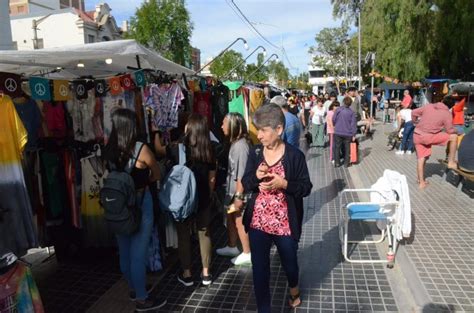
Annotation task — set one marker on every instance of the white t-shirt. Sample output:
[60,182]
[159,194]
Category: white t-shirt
[307,105]
[327,104]
[405,114]
[318,115]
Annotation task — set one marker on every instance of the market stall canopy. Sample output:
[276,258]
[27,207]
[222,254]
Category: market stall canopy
[391,86]
[123,53]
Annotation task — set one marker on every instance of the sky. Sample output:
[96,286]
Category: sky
[293,23]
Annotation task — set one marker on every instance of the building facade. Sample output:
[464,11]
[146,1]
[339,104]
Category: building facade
[62,27]
[195,59]
[23,7]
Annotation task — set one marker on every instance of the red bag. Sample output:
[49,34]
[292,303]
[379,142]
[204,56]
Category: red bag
[353,152]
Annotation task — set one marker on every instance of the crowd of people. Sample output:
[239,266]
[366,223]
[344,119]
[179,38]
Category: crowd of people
[265,183]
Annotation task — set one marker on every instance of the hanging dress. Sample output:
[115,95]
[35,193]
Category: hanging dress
[17,233]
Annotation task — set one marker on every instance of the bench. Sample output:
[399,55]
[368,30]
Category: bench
[465,176]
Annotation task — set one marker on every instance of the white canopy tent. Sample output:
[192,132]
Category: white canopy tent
[123,53]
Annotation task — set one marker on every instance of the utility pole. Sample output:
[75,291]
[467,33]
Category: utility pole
[360,71]
[346,42]
[35,24]
[372,84]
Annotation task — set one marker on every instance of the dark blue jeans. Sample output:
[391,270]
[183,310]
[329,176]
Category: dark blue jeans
[133,251]
[407,140]
[260,245]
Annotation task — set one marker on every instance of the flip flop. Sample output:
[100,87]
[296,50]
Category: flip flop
[292,300]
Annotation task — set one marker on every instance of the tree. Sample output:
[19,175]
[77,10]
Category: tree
[411,40]
[300,82]
[226,62]
[257,72]
[329,52]
[279,72]
[346,9]
[165,26]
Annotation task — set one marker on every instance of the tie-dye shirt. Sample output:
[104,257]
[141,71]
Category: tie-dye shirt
[16,221]
[18,291]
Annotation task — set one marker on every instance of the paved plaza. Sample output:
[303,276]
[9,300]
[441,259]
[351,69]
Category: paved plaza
[433,270]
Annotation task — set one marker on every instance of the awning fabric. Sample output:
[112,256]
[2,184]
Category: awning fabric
[122,52]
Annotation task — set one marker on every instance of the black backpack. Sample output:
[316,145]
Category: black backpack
[118,198]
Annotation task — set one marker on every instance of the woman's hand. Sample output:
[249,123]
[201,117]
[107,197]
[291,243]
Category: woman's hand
[274,182]
[262,171]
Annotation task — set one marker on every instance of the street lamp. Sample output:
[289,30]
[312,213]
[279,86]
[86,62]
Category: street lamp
[35,24]
[258,69]
[243,61]
[246,46]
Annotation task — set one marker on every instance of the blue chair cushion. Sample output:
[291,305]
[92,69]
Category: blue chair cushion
[365,212]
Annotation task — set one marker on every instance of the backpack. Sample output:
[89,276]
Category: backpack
[118,198]
[178,192]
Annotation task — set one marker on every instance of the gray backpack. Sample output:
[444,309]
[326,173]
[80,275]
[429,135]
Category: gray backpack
[118,198]
[178,192]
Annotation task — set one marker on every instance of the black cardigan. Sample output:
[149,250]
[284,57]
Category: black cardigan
[299,185]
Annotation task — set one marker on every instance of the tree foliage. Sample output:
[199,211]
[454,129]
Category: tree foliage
[226,62]
[412,41]
[256,72]
[346,9]
[330,50]
[279,72]
[165,26]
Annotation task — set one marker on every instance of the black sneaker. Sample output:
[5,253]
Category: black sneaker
[187,281]
[206,280]
[150,304]
[133,296]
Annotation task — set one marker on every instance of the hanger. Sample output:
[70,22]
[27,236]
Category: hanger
[96,152]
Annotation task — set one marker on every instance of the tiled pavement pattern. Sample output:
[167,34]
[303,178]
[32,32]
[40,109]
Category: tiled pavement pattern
[74,285]
[327,285]
[438,257]
[441,251]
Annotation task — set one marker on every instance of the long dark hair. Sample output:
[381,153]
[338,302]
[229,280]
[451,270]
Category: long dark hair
[122,139]
[196,139]
[237,127]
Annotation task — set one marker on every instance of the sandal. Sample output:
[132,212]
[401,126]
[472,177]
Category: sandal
[292,299]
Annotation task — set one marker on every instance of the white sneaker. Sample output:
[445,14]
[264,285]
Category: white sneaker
[228,251]
[400,152]
[243,258]
[409,152]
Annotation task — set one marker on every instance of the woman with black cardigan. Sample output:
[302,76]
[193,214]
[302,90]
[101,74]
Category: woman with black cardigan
[278,178]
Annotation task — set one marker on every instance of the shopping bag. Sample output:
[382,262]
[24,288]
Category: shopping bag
[353,152]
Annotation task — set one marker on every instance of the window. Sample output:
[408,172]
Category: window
[21,9]
[90,38]
[316,74]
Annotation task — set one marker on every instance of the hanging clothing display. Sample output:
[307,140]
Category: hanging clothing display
[257,98]
[54,185]
[111,103]
[17,233]
[31,118]
[18,291]
[55,118]
[220,108]
[202,105]
[82,112]
[95,229]
[236,103]
[165,101]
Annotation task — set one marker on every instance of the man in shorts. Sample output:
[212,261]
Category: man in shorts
[429,122]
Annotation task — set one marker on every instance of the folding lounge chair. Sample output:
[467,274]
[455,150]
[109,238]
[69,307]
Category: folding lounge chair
[369,212]
[389,206]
